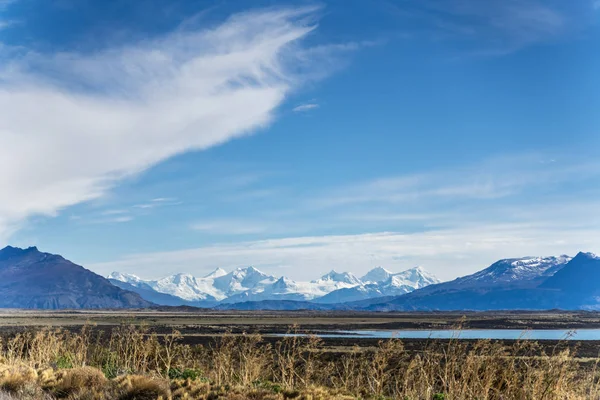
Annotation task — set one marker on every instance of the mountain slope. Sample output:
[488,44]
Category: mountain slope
[187,287]
[512,273]
[284,289]
[241,280]
[376,275]
[32,279]
[511,284]
[151,295]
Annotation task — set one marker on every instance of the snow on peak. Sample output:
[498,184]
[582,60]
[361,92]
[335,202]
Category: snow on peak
[216,273]
[416,278]
[516,270]
[123,277]
[242,279]
[340,277]
[377,274]
[186,286]
[588,255]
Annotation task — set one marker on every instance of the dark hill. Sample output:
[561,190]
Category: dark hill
[32,279]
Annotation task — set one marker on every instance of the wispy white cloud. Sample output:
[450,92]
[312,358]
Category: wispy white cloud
[452,221]
[305,107]
[114,212]
[447,253]
[230,227]
[125,218]
[497,27]
[164,200]
[109,115]
[6,3]
[103,219]
[496,178]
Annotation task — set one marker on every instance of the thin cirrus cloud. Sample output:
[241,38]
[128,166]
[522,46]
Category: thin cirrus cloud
[115,113]
[497,27]
[305,107]
[526,208]
[447,253]
[229,227]
[518,176]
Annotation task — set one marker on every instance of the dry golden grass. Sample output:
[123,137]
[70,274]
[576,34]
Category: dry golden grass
[130,363]
[137,387]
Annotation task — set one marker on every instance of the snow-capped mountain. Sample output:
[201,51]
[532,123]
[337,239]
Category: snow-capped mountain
[413,278]
[216,286]
[241,280]
[379,282]
[250,284]
[216,273]
[282,289]
[287,289]
[518,271]
[338,278]
[528,283]
[187,287]
[377,274]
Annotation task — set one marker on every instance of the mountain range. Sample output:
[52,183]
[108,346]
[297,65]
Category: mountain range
[251,285]
[33,279]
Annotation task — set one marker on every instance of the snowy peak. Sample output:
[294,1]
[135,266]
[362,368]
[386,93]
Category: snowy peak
[241,280]
[525,268]
[216,273]
[339,277]
[180,279]
[122,277]
[250,284]
[415,278]
[376,275]
[380,282]
[587,256]
[521,272]
[283,283]
[186,286]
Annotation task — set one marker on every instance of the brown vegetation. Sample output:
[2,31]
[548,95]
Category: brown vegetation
[133,363]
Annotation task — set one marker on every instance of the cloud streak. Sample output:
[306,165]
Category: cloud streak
[72,125]
[447,253]
[496,27]
[453,222]
[305,107]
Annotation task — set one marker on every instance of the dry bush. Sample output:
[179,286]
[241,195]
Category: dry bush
[137,387]
[20,381]
[295,363]
[80,380]
[190,389]
[238,359]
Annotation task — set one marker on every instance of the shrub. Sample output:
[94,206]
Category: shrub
[77,380]
[138,387]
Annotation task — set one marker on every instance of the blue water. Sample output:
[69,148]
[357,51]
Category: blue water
[535,334]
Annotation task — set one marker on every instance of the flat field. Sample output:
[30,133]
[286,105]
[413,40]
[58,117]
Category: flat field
[203,326]
[183,353]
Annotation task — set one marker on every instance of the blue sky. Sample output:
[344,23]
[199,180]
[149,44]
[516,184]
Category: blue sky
[179,136]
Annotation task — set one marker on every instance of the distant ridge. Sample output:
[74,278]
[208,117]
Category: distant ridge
[33,279]
[527,283]
[249,284]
